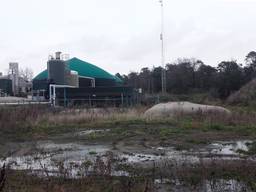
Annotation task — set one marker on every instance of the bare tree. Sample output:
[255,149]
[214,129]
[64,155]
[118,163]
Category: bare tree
[26,74]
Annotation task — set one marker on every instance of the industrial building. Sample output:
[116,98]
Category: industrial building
[73,81]
[13,84]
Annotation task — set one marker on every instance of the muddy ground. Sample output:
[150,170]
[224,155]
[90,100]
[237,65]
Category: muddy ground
[159,153]
[129,140]
[142,152]
[133,144]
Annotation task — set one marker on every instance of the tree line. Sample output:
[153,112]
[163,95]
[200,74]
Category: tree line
[186,76]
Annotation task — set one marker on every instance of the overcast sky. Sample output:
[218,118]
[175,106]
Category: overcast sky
[123,35]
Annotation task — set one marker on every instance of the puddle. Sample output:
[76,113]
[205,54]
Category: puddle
[88,132]
[167,154]
[220,150]
[73,156]
[230,148]
[225,185]
[72,151]
[51,157]
[206,186]
[137,158]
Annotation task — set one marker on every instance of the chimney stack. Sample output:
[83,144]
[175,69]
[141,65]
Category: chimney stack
[57,55]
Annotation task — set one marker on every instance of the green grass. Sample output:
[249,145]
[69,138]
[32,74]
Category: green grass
[92,153]
[159,129]
[252,149]
[197,142]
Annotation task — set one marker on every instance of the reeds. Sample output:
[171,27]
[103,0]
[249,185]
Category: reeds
[36,119]
[208,175]
[2,178]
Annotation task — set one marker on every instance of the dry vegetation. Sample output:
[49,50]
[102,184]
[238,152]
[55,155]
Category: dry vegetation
[19,122]
[170,173]
[2,178]
[76,116]
[246,95]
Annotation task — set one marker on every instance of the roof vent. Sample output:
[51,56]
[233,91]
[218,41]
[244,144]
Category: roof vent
[57,55]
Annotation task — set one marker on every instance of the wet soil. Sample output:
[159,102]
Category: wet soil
[71,151]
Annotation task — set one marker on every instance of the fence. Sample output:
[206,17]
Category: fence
[100,96]
[23,102]
[95,102]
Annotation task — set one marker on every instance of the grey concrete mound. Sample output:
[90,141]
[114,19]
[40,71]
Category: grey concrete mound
[173,109]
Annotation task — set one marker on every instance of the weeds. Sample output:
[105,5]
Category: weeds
[92,153]
[2,178]
[95,176]
[252,149]
[216,174]
[37,122]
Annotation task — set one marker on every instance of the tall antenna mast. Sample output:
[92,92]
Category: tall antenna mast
[163,76]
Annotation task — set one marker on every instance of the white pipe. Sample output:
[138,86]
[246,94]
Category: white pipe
[50,94]
[53,92]
[54,96]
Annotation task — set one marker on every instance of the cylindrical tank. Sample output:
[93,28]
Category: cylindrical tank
[57,71]
[73,79]
[6,86]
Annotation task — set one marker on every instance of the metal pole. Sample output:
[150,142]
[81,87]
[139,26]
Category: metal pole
[50,90]
[65,97]
[90,103]
[54,95]
[122,99]
[163,76]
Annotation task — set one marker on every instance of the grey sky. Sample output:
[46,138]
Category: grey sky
[123,35]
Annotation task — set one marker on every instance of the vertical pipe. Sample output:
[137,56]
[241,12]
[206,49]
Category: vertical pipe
[127,101]
[122,99]
[90,103]
[163,76]
[65,97]
[50,94]
[54,95]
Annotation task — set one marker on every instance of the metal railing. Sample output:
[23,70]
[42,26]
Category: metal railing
[92,102]
[23,102]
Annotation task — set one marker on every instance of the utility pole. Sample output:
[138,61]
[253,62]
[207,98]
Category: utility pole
[163,76]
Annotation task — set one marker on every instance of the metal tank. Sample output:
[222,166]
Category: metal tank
[57,70]
[5,86]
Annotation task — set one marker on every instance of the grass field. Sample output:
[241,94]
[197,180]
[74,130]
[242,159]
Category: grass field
[41,122]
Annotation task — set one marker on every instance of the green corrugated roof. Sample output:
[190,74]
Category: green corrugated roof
[84,69]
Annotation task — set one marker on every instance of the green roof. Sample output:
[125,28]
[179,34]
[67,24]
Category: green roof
[84,69]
